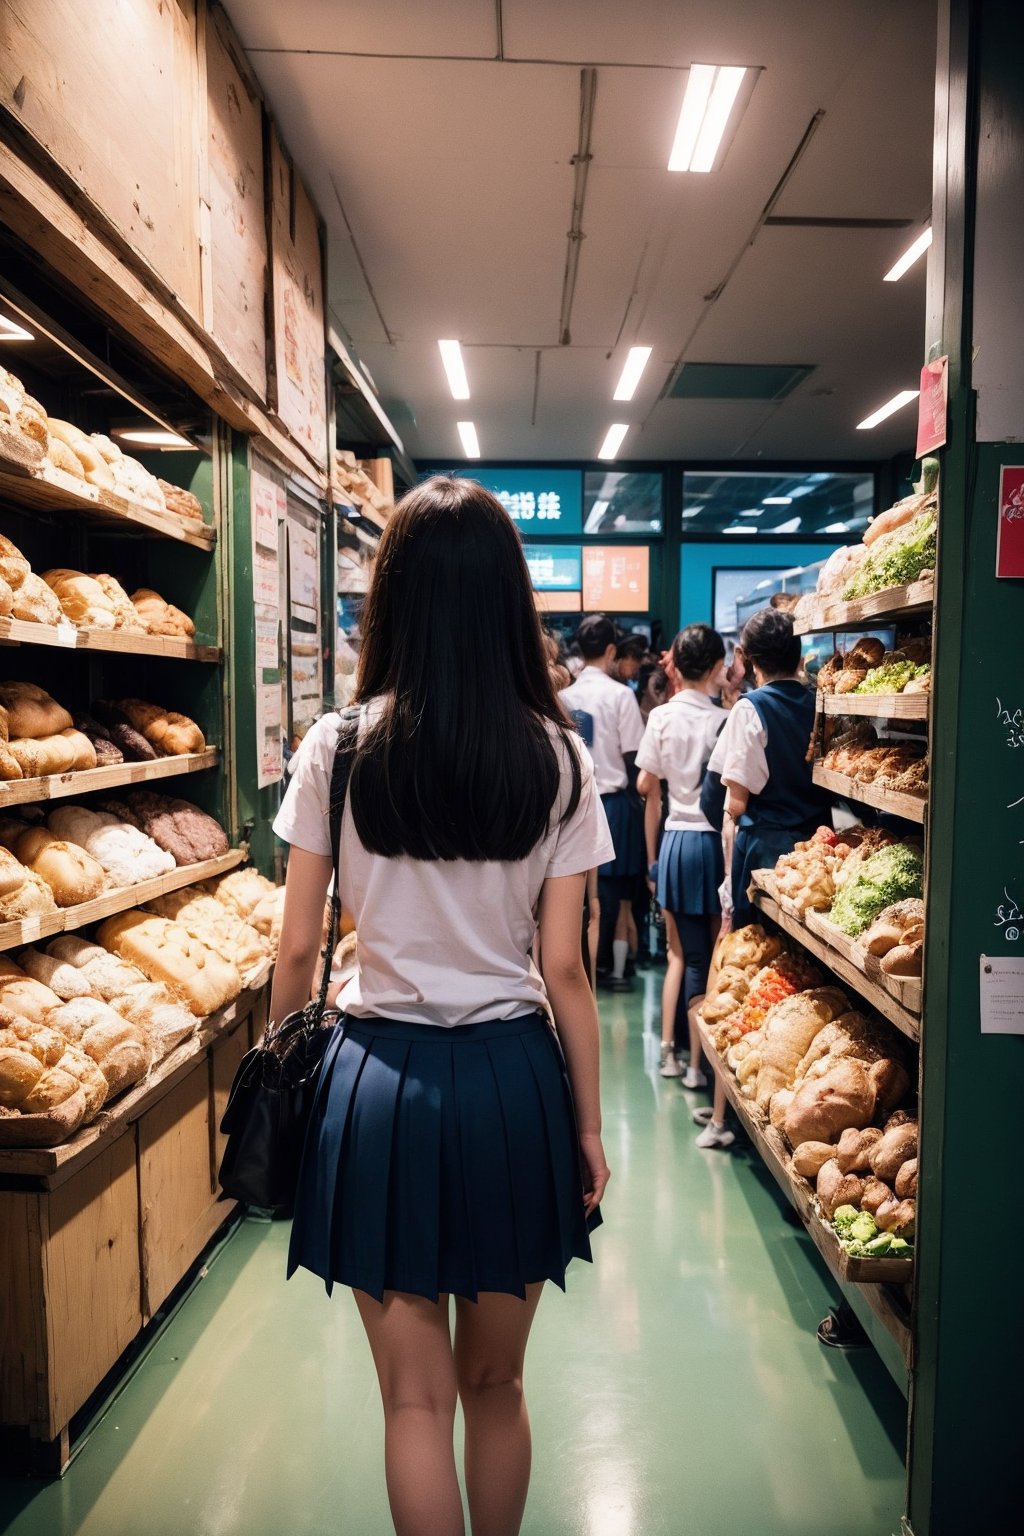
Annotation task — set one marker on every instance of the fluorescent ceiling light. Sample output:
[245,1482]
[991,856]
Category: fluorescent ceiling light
[736,528]
[888,409]
[455,368]
[835,528]
[752,512]
[635,364]
[710,96]
[11,331]
[150,437]
[790,526]
[694,511]
[777,501]
[470,441]
[613,440]
[908,258]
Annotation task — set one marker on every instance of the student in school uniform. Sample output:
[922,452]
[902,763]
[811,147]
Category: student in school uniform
[687,871]
[454,1148]
[609,718]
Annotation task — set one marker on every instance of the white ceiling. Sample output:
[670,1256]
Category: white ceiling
[436,137]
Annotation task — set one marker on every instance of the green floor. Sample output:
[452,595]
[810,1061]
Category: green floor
[677,1390]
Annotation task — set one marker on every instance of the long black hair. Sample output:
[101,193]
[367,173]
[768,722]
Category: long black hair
[461,763]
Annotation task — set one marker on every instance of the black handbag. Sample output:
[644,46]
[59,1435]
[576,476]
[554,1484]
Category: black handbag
[271,1097]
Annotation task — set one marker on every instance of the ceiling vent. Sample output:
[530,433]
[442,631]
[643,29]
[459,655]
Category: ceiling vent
[737,381]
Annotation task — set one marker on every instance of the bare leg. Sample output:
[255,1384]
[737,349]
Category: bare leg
[673,981]
[623,921]
[411,1344]
[695,1046]
[719,1102]
[490,1348]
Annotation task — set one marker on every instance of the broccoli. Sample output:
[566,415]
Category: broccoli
[879,1246]
[890,875]
[863,1229]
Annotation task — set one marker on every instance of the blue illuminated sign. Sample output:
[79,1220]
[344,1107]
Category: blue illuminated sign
[537,500]
[554,567]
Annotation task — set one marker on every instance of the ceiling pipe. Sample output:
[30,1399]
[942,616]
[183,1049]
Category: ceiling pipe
[581,161]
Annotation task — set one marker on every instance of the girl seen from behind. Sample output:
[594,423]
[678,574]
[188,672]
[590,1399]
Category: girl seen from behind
[454,1159]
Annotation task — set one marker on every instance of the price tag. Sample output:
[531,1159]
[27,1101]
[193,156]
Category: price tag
[67,634]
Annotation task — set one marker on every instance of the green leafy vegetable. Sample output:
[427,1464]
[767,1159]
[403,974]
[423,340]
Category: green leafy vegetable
[891,677]
[892,874]
[896,558]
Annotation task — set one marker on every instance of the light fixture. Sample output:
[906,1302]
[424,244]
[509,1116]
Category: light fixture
[150,437]
[752,512]
[455,368]
[613,440]
[695,511]
[11,331]
[470,441]
[909,256]
[736,528]
[888,409]
[777,501]
[711,91]
[635,364]
[835,528]
[790,526]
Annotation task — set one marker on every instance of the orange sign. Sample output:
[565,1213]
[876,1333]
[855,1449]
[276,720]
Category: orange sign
[616,578]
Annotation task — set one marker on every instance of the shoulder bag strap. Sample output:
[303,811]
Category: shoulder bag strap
[342,767]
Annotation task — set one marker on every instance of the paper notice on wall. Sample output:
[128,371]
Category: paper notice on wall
[307,690]
[292,358]
[304,565]
[268,652]
[932,406]
[270,766]
[1002,995]
[1010,536]
[269,505]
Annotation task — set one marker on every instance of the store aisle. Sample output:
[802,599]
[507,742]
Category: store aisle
[678,1390]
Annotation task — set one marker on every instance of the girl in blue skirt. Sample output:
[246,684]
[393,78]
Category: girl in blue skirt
[455,1148]
[687,871]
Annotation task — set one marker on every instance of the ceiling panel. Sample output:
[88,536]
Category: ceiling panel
[460,28]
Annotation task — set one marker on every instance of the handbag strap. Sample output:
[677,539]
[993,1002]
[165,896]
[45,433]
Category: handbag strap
[341,769]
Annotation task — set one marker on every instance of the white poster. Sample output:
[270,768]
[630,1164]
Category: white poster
[270,766]
[304,564]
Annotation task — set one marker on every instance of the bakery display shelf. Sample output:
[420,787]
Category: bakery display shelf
[27,930]
[88,781]
[68,637]
[55,1163]
[53,490]
[863,1273]
[880,706]
[910,807]
[893,603]
[891,996]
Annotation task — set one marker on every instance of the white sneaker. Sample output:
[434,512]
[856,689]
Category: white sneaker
[702,1115]
[715,1136]
[668,1065]
[694,1078]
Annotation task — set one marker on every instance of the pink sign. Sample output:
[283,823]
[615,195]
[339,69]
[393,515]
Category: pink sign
[932,405]
[1010,542]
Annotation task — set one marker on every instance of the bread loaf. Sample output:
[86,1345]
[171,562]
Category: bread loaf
[835,1188]
[27,999]
[73,949]
[895,1147]
[39,758]
[67,981]
[809,1157]
[13,565]
[106,447]
[83,749]
[153,1005]
[10,768]
[171,733]
[242,890]
[126,853]
[821,1110]
[177,826]
[63,458]
[109,976]
[134,481]
[20,1071]
[181,502]
[31,711]
[228,935]
[125,616]
[121,1049]
[35,603]
[165,952]
[45,1044]
[72,874]
[161,617]
[22,892]
[82,598]
[89,1078]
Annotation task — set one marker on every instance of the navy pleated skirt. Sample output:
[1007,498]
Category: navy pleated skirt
[625,823]
[441,1161]
[690,870]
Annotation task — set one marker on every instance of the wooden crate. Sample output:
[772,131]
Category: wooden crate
[93,1241]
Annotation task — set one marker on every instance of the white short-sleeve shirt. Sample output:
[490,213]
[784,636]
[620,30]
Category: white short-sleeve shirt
[618,723]
[678,742]
[442,942]
[740,756]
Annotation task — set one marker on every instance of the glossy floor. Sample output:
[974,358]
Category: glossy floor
[677,1390]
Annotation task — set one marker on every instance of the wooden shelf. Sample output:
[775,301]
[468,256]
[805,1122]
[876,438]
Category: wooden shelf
[910,807]
[90,781]
[893,603]
[27,930]
[882,706]
[52,1165]
[67,637]
[865,1274]
[47,489]
[890,996]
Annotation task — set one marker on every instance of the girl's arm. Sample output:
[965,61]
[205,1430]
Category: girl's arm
[650,787]
[305,892]
[575,1011]
[736,799]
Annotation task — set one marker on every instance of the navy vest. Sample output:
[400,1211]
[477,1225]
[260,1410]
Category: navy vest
[790,799]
